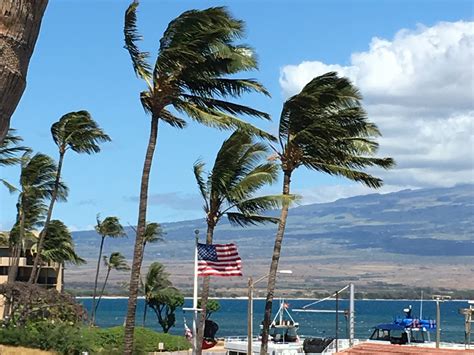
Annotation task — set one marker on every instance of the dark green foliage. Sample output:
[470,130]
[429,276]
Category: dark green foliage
[164,303]
[66,339]
[211,307]
[59,245]
[62,338]
[30,303]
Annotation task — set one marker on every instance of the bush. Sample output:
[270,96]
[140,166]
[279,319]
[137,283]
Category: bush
[110,340]
[65,339]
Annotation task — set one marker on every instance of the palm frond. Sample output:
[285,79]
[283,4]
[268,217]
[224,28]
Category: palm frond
[198,169]
[10,149]
[218,119]
[139,59]
[243,220]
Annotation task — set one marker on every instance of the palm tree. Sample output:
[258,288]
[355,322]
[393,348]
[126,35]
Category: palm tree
[79,132]
[191,74]
[153,233]
[116,261]
[58,246]
[229,190]
[9,150]
[19,30]
[109,227]
[323,128]
[156,279]
[38,181]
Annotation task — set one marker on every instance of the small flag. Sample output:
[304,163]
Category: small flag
[218,260]
[187,332]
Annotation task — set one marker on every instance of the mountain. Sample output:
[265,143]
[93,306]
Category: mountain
[381,241]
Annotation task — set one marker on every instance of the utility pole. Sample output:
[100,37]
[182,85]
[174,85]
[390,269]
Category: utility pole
[250,317]
[438,299]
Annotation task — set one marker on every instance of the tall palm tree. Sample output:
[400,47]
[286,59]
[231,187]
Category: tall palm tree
[58,247]
[19,29]
[156,279]
[78,132]
[191,74]
[323,128]
[116,261]
[38,181]
[153,233]
[10,149]
[239,171]
[109,227]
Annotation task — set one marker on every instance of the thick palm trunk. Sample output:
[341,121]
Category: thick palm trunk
[20,22]
[204,297]
[102,290]
[42,235]
[96,279]
[139,240]
[274,265]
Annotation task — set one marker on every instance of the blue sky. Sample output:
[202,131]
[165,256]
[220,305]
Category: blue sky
[79,63]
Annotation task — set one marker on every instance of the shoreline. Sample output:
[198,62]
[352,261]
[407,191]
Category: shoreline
[288,298]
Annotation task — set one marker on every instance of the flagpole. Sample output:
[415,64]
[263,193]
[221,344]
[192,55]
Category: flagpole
[195,292]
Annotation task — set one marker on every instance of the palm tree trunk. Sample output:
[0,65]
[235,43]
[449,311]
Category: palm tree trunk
[42,235]
[274,265]
[96,278]
[102,291]
[20,23]
[16,252]
[144,313]
[138,249]
[204,296]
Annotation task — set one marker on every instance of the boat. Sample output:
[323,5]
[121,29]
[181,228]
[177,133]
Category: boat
[283,337]
[406,330]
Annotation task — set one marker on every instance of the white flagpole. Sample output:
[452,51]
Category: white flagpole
[195,293]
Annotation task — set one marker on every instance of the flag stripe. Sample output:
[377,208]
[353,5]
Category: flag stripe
[219,260]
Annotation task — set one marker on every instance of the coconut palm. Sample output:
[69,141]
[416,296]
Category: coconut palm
[323,128]
[239,171]
[75,131]
[109,227]
[38,181]
[10,149]
[191,74]
[153,233]
[58,247]
[116,261]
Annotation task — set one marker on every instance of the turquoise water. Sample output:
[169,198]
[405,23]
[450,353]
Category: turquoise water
[232,317]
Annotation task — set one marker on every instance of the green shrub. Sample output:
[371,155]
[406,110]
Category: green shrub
[64,339]
[110,340]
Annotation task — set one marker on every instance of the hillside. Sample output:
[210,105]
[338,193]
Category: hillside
[384,243]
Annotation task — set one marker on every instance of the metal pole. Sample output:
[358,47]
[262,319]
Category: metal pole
[438,323]
[351,315]
[337,320]
[250,317]
[195,292]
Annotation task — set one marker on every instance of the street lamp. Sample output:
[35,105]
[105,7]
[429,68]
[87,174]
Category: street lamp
[251,285]
[438,299]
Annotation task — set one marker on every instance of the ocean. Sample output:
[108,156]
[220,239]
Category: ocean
[232,317]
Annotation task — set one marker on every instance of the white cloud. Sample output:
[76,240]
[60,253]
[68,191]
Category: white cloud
[419,89]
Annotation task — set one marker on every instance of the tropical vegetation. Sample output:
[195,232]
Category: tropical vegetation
[161,296]
[109,227]
[116,261]
[194,73]
[229,190]
[75,131]
[323,128]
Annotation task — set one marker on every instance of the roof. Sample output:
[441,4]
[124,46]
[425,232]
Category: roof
[389,326]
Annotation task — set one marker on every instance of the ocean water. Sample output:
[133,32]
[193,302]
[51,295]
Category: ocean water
[232,317]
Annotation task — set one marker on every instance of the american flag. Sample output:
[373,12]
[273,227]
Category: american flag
[219,260]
